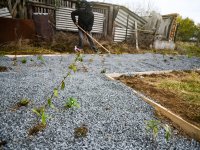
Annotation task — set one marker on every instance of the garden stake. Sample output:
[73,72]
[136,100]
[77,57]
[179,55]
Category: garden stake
[93,39]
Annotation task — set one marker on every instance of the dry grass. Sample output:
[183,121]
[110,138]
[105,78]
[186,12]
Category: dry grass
[64,42]
[186,86]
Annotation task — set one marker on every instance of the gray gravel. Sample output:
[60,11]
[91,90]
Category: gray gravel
[115,116]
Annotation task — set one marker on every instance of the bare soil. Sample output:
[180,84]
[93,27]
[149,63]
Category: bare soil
[3,69]
[171,99]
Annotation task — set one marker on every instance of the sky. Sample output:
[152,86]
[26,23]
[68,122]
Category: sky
[185,8]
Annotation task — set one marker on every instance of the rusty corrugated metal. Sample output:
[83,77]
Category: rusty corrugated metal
[64,21]
[42,26]
[13,29]
[4,12]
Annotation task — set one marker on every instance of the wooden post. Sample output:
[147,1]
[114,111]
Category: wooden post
[109,20]
[127,27]
[105,23]
[136,36]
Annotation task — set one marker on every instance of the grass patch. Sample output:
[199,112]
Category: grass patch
[189,49]
[187,86]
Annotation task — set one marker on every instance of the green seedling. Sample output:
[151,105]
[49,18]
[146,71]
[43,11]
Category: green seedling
[38,111]
[40,57]
[168,132]
[41,113]
[24,60]
[24,102]
[153,127]
[79,57]
[55,92]
[62,85]
[72,102]
[73,67]
[50,104]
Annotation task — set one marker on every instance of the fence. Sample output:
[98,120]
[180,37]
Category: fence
[64,21]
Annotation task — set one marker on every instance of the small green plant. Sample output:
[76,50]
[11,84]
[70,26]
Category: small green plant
[23,60]
[153,127]
[79,57]
[168,132]
[73,67]
[55,91]
[72,102]
[41,113]
[24,102]
[40,57]
[50,104]
[62,85]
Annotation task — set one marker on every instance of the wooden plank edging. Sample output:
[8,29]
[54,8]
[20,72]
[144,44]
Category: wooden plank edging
[192,130]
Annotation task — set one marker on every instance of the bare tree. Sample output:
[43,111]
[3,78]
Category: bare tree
[143,8]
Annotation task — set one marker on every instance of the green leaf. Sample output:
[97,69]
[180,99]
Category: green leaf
[77,105]
[24,60]
[153,126]
[68,74]
[155,131]
[50,103]
[72,102]
[55,91]
[62,85]
[40,58]
[79,57]
[24,102]
[44,118]
[36,112]
[167,132]
[73,67]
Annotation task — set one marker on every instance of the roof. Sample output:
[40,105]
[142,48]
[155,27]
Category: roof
[121,7]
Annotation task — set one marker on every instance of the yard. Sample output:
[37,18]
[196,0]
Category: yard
[110,115]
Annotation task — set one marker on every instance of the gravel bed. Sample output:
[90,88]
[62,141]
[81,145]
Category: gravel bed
[114,115]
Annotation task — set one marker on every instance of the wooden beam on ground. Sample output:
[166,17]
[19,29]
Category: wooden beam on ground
[190,129]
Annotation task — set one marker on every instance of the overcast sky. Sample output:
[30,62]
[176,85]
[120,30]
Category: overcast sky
[186,8]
